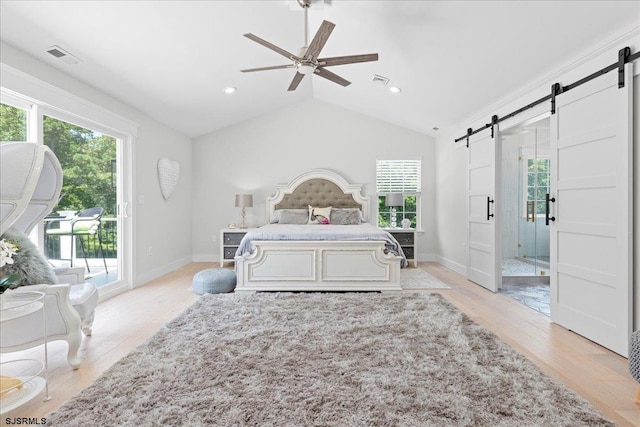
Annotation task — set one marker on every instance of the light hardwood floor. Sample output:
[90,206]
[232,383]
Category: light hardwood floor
[124,322]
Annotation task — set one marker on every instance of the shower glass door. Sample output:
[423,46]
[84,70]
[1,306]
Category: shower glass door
[526,178]
[534,232]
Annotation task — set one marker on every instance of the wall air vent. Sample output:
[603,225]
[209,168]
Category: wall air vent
[62,55]
[380,80]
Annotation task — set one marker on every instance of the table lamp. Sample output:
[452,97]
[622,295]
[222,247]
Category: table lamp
[244,201]
[394,200]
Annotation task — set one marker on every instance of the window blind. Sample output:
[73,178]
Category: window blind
[398,176]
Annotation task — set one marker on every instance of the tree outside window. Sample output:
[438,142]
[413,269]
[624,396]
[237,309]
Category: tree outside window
[538,177]
[13,123]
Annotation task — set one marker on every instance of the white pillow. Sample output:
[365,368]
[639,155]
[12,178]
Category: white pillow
[319,215]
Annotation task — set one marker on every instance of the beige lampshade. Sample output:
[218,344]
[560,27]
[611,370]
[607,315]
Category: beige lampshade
[244,200]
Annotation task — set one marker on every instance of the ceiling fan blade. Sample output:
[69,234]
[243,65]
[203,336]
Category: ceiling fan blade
[319,40]
[296,81]
[275,67]
[271,46]
[331,76]
[342,60]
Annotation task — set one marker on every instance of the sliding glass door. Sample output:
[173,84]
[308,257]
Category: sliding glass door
[92,188]
[89,164]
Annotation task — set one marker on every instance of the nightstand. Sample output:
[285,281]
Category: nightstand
[406,237]
[229,241]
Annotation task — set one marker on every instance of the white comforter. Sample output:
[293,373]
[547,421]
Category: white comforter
[320,232]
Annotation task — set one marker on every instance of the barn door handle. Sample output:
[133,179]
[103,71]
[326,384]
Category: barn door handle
[547,218]
[489,202]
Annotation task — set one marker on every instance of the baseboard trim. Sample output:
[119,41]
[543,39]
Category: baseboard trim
[427,258]
[165,269]
[205,258]
[452,265]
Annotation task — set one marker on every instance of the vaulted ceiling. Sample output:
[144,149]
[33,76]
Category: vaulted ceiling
[173,59]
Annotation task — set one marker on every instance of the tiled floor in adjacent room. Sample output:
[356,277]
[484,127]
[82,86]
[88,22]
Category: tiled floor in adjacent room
[523,281]
[534,295]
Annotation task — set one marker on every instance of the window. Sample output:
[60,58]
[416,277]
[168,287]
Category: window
[88,155]
[537,178]
[402,177]
[13,123]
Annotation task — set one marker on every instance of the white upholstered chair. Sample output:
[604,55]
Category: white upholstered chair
[30,183]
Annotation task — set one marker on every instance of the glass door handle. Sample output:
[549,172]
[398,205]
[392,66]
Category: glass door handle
[547,218]
[122,210]
[531,211]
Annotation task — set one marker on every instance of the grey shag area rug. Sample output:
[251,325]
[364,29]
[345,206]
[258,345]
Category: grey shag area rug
[325,359]
[416,278]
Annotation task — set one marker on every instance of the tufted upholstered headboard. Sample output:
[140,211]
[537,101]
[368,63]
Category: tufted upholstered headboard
[318,187]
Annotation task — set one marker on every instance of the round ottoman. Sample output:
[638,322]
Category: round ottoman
[214,281]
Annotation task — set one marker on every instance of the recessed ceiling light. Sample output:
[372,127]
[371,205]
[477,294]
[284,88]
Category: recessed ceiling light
[230,90]
[395,89]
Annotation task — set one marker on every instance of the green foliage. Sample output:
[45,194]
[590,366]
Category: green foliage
[13,123]
[409,210]
[86,157]
[538,171]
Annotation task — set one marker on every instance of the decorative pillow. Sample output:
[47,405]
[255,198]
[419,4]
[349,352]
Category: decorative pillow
[294,216]
[275,217]
[28,262]
[346,216]
[319,215]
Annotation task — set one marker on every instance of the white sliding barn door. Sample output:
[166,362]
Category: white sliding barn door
[591,238]
[483,258]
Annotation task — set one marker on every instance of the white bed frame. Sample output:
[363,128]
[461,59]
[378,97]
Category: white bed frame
[286,265]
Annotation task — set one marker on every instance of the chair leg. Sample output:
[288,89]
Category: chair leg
[74,339]
[84,254]
[637,398]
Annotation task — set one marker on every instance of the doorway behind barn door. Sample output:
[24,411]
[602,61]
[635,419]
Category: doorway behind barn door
[525,235]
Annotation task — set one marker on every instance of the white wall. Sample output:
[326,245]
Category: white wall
[450,177]
[254,156]
[164,225]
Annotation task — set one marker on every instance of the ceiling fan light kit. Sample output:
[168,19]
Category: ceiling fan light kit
[307,60]
[306,69]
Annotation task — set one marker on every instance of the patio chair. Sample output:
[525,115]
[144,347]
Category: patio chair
[86,223]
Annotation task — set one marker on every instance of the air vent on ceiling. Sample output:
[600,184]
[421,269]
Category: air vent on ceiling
[380,80]
[61,54]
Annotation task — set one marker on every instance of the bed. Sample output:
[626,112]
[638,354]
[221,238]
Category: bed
[286,255]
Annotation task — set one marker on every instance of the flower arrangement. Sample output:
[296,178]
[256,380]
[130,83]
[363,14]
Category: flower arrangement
[7,250]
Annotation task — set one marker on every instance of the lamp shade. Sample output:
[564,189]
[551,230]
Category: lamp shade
[244,200]
[394,199]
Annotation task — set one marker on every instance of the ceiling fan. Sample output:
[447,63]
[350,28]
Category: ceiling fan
[307,61]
